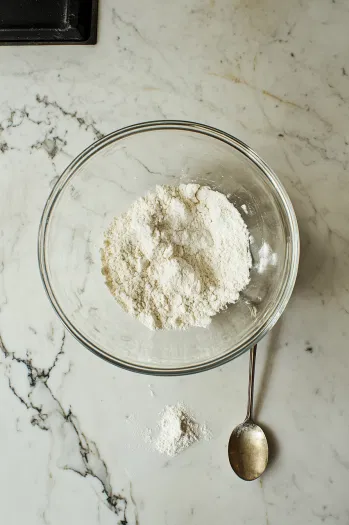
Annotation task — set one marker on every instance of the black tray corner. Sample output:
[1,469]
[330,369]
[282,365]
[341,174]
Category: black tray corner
[33,22]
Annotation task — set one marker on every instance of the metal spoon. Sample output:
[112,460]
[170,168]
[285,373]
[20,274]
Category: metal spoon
[248,446]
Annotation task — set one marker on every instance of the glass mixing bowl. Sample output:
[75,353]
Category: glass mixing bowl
[103,181]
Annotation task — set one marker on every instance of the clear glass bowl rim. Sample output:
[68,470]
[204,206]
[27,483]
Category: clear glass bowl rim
[193,127]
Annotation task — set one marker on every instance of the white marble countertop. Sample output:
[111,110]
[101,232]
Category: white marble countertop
[276,75]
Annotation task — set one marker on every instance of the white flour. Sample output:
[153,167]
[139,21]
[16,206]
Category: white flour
[177,256]
[178,430]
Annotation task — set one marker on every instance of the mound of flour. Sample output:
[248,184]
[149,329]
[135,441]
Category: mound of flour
[177,257]
[178,430]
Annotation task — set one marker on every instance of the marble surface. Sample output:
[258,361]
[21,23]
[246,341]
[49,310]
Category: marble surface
[276,75]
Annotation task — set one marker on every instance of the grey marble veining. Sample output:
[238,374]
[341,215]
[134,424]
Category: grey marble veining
[276,75]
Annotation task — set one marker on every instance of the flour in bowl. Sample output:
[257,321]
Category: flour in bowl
[177,257]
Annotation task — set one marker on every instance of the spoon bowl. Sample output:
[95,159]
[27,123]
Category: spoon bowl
[248,450]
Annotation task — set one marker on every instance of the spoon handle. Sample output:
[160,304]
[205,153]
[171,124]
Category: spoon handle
[251,383]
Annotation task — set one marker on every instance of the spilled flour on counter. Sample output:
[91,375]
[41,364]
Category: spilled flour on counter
[178,430]
[177,257]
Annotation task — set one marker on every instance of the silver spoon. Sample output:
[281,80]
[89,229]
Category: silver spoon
[248,446]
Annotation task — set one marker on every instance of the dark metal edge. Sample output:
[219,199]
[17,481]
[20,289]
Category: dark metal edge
[90,41]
